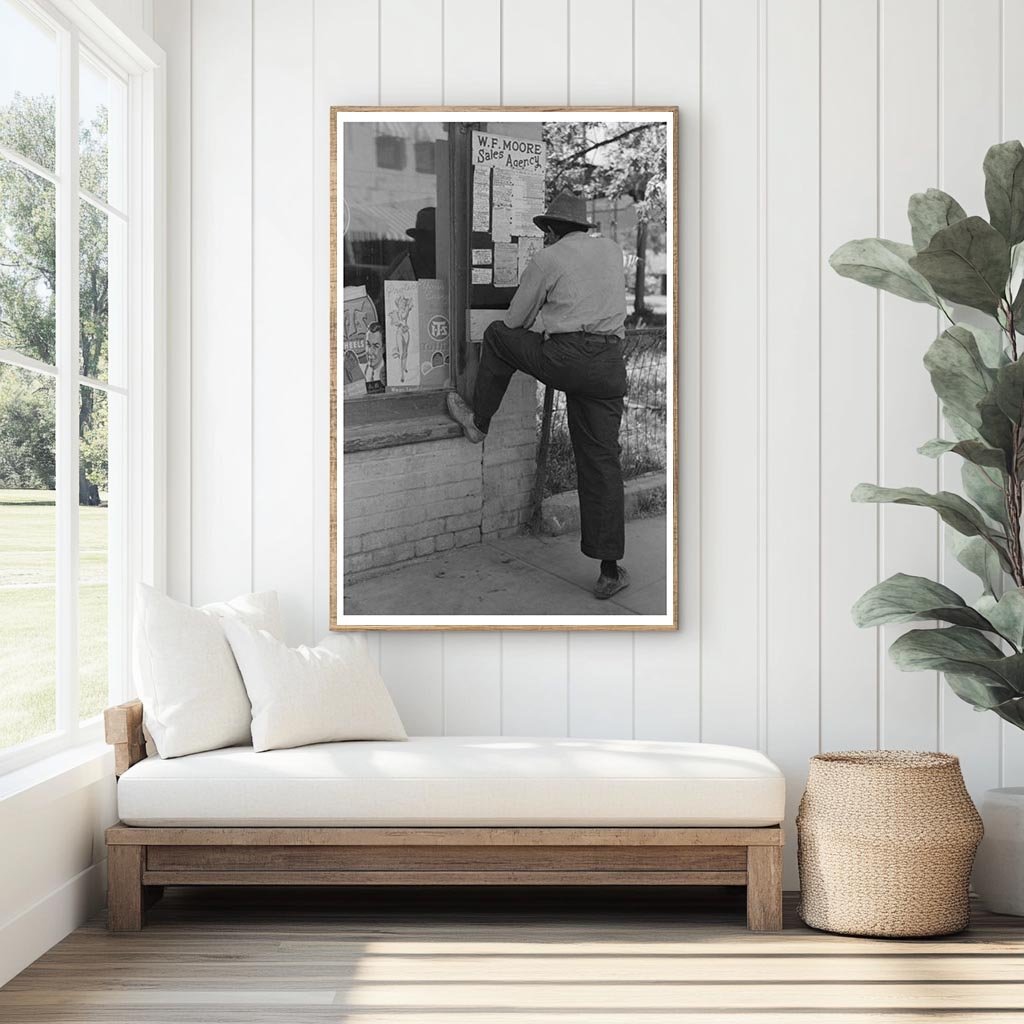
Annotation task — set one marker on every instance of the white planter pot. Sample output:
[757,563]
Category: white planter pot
[999,867]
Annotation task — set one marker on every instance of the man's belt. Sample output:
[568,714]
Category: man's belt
[592,334]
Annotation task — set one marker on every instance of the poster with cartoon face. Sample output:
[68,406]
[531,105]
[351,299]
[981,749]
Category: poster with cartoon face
[362,360]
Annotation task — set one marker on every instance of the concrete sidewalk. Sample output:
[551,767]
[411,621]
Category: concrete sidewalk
[520,575]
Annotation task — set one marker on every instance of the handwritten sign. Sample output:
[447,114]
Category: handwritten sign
[509,153]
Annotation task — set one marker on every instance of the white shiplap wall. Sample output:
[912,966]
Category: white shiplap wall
[804,123]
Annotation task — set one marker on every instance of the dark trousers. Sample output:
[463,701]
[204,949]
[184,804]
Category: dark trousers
[590,370]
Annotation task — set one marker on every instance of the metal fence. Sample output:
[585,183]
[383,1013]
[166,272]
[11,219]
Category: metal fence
[644,422]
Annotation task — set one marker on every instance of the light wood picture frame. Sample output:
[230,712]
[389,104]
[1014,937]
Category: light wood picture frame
[429,531]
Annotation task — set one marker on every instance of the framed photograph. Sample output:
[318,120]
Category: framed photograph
[504,361]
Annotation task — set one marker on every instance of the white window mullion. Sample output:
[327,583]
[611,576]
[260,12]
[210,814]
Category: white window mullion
[67,386]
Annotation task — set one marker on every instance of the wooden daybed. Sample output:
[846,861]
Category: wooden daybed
[182,849]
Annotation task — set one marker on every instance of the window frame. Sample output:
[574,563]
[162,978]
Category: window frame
[139,64]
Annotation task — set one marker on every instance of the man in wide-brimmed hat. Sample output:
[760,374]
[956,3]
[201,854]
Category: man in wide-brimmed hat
[565,327]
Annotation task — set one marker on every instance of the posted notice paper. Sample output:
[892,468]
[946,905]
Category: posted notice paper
[481,199]
[506,265]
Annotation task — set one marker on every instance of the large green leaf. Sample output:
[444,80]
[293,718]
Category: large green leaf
[953,510]
[982,693]
[903,598]
[964,652]
[1009,390]
[990,345]
[976,555]
[967,263]
[883,264]
[958,372]
[1004,189]
[961,429]
[996,427]
[985,487]
[973,451]
[1006,614]
[932,211]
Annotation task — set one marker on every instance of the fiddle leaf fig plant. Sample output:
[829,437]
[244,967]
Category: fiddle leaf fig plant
[977,372]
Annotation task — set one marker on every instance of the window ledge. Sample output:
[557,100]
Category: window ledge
[368,436]
[55,776]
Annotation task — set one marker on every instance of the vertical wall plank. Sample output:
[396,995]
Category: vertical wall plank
[172,29]
[849,372]
[472,52]
[413,672]
[472,684]
[909,415]
[472,73]
[601,685]
[969,124]
[1012,127]
[221,527]
[412,72]
[535,54]
[792,385]
[535,695]
[411,68]
[667,665]
[600,668]
[729,385]
[352,81]
[283,302]
[600,51]
[535,680]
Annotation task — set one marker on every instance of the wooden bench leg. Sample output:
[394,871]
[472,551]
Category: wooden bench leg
[125,896]
[764,888]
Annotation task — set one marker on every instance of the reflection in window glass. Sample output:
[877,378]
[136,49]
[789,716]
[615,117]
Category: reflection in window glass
[394,317]
[28,550]
[93,550]
[101,109]
[391,152]
[28,85]
[28,263]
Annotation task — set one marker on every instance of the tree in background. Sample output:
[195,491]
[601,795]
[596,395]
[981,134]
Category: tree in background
[28,285]
[596,159]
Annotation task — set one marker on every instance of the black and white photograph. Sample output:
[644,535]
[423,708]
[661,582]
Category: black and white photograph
[504,360]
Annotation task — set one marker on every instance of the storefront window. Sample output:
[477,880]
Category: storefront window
[395,326]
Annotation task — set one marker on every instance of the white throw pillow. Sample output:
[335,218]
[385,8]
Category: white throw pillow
[309,694]
[192,693]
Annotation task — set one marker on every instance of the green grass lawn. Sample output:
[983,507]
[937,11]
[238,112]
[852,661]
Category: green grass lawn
[28,614]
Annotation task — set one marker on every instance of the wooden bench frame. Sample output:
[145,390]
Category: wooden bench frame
[142,860]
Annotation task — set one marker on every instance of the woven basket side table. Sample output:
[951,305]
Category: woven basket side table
[886,841]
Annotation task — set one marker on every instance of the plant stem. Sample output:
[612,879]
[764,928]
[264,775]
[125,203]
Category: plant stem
[1012,496]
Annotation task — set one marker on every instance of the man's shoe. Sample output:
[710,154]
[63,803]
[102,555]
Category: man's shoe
[463,415]
[608,586]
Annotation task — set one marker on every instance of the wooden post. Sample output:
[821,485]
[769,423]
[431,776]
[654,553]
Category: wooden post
[540,479]
[125,898]
[764,888]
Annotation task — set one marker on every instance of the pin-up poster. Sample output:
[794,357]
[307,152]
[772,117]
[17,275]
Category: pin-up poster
[419,335]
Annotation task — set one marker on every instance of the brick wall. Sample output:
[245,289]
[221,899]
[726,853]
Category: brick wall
[510,460]
[420,499]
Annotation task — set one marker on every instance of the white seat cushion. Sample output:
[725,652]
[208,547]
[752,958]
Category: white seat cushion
[459,780]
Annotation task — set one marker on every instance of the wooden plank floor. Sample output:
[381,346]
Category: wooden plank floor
[219,956]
